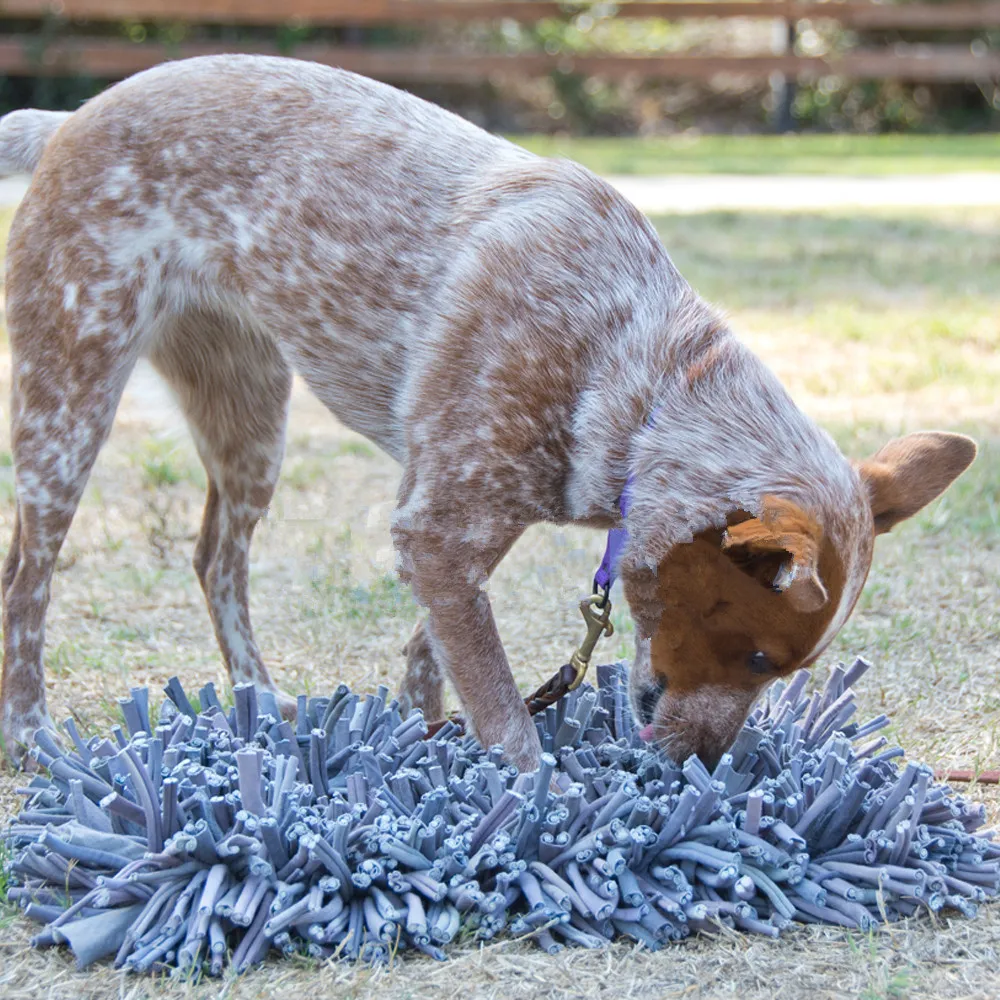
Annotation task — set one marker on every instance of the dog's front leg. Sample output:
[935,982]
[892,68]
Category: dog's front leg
[447,567]
[467,644]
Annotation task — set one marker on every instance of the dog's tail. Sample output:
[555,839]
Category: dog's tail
[23,137]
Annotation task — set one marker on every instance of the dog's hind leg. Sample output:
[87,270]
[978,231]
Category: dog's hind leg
[65,390]
[233,386]
[423,686]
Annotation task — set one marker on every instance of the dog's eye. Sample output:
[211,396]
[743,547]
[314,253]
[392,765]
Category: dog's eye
[761,663]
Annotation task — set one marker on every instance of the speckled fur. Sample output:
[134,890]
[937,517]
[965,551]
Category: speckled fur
[500,324]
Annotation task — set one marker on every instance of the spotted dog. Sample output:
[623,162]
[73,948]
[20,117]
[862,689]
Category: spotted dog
[502,325]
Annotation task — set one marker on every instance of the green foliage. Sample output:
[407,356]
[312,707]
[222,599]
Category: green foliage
[970,510]
[382,597]
[158,471]
[356,448]
[288,36]
[942,267]
[162,463]
[874,106]
[9,912]
[871,106]
[587,106]
[896,303]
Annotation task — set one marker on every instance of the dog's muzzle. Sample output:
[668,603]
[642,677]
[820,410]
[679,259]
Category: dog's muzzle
[647,701]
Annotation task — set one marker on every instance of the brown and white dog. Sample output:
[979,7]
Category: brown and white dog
[501,324]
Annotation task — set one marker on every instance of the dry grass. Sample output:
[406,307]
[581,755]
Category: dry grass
[951,960]
[127,609]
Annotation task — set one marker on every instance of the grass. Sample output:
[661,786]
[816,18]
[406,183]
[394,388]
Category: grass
[861,315]
[160,468]
[879,323]
[799,261]
[771,154]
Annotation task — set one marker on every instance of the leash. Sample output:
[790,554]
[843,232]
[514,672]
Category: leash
[596,611]
[973,777]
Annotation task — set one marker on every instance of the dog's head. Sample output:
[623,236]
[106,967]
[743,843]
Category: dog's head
[763,596]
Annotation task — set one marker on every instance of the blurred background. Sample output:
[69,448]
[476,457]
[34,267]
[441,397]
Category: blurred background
[591,68]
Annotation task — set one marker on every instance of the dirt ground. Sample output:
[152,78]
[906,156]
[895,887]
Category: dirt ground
[127,610]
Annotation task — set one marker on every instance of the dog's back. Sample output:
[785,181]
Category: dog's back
[261,187]
[269,189]
[237,219]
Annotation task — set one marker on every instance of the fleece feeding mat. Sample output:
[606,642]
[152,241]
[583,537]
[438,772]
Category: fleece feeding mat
[209,837]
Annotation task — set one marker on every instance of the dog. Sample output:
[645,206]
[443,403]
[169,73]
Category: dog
[507,327]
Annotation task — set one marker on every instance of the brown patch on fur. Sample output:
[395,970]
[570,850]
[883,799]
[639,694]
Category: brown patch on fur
[706,364]
[783,526]
[784,530]
[720,610]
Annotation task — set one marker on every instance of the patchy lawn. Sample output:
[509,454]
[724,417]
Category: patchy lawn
[879,323]
[856,155]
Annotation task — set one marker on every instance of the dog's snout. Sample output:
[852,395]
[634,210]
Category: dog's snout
[647,703]
[703,722]
[710,757]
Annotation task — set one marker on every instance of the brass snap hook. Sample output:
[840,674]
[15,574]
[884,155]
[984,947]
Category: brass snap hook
[596,611]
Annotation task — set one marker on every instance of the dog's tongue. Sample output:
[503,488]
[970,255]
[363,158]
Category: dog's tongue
[646,733]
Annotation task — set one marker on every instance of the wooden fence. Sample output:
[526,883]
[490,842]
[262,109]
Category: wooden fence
[45,38]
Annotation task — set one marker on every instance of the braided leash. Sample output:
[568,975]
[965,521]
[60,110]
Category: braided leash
[980,777]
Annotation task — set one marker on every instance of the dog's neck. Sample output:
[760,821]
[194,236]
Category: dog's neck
[725,434]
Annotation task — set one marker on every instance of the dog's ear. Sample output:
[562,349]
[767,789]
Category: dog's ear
[909,472]
[783,530]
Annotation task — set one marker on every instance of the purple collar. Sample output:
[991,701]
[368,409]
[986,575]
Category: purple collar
[607,572]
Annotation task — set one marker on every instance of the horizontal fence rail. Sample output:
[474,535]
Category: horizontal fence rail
[850,13]
[107,58]
[58,44]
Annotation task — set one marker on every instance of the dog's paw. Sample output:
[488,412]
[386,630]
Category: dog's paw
[287,705]
[521,746]
[19,738]
[526,762]
[514,731]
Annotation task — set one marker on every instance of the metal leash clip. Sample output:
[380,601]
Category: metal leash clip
[596,611]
